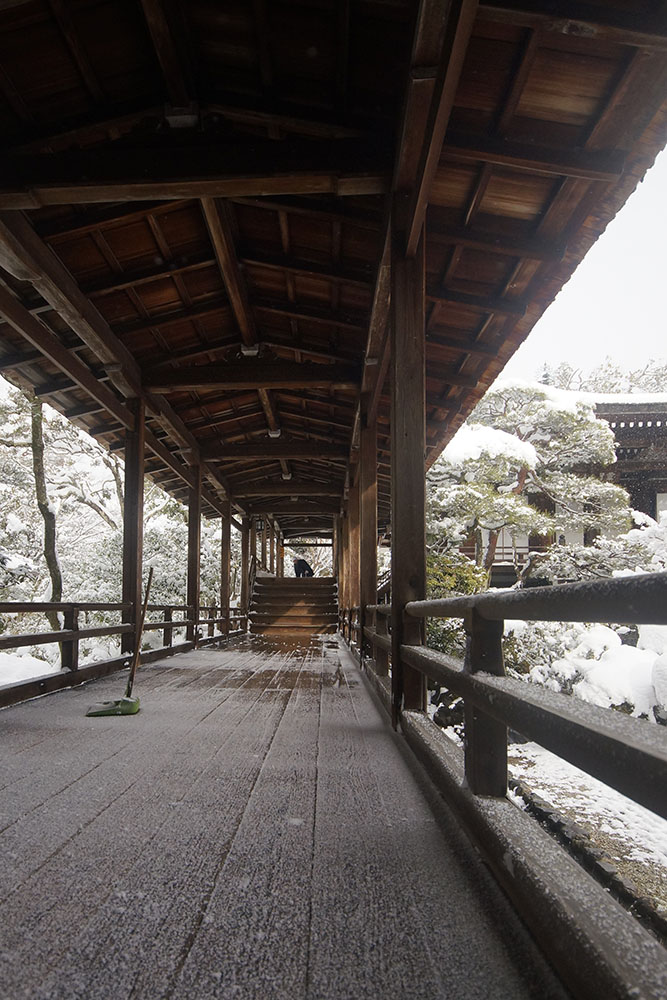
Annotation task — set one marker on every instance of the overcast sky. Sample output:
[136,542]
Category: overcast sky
[614,304]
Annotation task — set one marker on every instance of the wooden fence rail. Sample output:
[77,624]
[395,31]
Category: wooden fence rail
[622,752]
[229,622]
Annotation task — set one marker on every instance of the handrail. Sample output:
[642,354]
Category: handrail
[609,745]
[618,750]
[634,600]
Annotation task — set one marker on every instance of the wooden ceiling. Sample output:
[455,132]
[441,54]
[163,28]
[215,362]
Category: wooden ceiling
[196,202]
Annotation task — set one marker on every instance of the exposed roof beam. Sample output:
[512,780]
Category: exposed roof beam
[286,262]
[28,258]
[220,227]
[533,248]
[49,346]
[251,374]
[315,210]
[284,508]
[460,19]
[273,450]
[574,17]
[465,346]
[492,304]
[291,489]
[313,314]
[166,170]
[587,165]
[143,276]
[61,13]
[173,72]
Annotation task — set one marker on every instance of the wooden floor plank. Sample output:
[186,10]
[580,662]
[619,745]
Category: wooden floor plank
[256,831]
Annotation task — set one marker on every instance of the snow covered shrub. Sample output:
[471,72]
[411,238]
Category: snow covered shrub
[450,574]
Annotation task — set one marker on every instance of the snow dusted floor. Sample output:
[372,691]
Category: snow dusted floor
[256,831]
[634,838]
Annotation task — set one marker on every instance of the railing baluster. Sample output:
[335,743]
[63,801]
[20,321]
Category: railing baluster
[69,651]
[381,655]
[485,737]
[168,632]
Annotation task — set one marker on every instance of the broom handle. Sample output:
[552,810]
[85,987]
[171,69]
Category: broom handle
[140,631]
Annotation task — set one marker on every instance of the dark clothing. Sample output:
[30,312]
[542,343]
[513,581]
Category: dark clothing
[301,568]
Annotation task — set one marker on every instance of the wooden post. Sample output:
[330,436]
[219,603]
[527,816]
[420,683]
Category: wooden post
[281,556]
[354,545]
[245,563]
[225,563]
[368,493]
[264,539]
[69,651]
[133,524]
[167,632]
[408,488]
[345,588]
[485,737]
[194,557]
[381,655]
[253,539]
[272,547]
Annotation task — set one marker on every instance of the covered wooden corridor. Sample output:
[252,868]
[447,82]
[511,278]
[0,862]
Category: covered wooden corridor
[257,830]
[273,254]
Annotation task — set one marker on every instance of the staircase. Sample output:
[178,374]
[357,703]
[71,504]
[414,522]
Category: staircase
[289,605]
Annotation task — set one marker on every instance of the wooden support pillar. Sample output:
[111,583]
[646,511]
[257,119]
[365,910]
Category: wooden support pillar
[354,545]
[225,562]
[253,539]
[245,564]
[265,522]
[272,546]
[368,521]
[194,552]
[133,523]
[345,583]
[408,488]
[281,556]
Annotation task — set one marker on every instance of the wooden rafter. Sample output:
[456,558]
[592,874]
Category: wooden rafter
[166,170]
[175,77]
[273,450]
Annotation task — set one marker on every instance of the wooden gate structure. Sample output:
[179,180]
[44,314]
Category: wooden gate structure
[276,251]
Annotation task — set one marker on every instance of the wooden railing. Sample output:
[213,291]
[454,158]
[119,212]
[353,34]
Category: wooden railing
[578,922]
[622,752]
[172,618]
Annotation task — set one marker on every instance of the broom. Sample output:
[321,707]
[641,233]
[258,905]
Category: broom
[127,705]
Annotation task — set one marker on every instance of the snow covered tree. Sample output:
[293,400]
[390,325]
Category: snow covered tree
[529,460]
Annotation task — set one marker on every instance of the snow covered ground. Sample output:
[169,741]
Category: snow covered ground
[634,838]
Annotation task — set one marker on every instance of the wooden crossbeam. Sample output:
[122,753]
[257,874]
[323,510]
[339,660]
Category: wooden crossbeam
[165,170]
[584,164]
[488,304]
[273,450]
[532,248]
[588,20]
[458,29]
[307,268]
[27,257]
[173,71]
[284,508]
[143,276]
[251,374]
[291,489]
[472,347]
[313,314]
